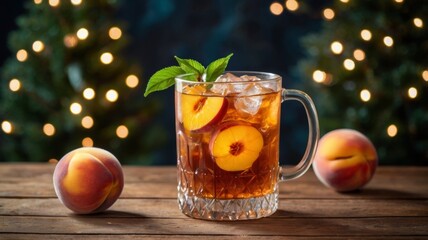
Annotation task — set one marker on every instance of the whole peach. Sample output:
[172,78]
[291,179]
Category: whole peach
[88,180]
[346,160]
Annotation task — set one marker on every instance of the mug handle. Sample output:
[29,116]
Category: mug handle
[311,147]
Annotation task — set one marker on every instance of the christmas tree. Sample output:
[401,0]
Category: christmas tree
[67,86]
[370,73]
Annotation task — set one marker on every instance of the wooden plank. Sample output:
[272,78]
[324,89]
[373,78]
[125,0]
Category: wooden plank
[35,180]
[168,208]
[397,226]
[185,237]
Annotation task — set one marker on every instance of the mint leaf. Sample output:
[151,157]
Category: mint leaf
[216,68]
[190,65]
[163,79]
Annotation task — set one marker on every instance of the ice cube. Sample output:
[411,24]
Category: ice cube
[250,100]
[237,84]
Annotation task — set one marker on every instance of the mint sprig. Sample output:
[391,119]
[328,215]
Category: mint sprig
[165,77]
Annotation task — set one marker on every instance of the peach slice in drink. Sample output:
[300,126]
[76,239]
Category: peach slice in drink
[200,113]
[235,147]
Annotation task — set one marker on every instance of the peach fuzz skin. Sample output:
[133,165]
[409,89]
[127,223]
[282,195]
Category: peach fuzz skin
[88,180]
[346,160]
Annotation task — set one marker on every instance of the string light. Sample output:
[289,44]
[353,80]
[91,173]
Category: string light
[366,35]
[106,58]
[412,92]
[328,13]
[14,85]
[21,55]
[336,47]
[132,81]
[112,95]
[76,2]
[388,41]
[87,142]
[82,33]
[115,33]
[349,64]
[38,46]
[122,131]
[319,76]
[276,8]
[292,5]
[89,93]
[418,22]
[425,75]
[359,55]
[54,3]
[87,122]
[37,2]
[365,95]
[392,130]
[75,108]
[70,40]
[7,127]
[49,129]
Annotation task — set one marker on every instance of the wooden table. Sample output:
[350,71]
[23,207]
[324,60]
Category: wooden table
[394,204]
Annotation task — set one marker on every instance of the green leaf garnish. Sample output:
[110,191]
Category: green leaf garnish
[216,68]
[165,77]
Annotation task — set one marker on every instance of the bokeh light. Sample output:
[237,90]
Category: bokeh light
[392,130]
[112,95]
[132,81]
[115,33]
[388,41]
[122,131]
[291,5]
[412,92]
[365,95]
[425,75]
[89,93]
[106,58]
[48,129]
[87,142]
[70,40]
[349,64]
[336,47]
[38,46]
[82,33]
[319,76]
[54,3]
[359,55]
[276,8]
[37,2]
[14,85]
[7,127]
[76,2]
[328,13]
[21,55]
[366,35]
[75,108]
[87,122]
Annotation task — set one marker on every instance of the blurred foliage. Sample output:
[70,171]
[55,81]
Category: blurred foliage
[387,72]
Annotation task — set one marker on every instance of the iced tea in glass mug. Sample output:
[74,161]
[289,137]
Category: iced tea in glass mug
[228,144]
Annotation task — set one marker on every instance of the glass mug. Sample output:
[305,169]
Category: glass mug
[228,144]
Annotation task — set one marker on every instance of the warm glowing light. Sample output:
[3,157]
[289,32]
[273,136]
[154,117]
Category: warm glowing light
[366,35]
[425,75]
[388,41]
[365,95]
[349,64]
[49,129]
[54,3]
[14,85]
[359,55]
[89,93]
[82,33]
[87,142]
[70,40]
[319,76]
[38,46]
[132,81]
[398,1]
[37,2]
[412,92]
[21,55]
[53,161]
[122,131]
[76,2]
[418,22]
[291,5]
[328,13]
[392,130]
[112,95]
[7,127]
[75,108]
[106,58]
[336,47]
[87,122]
[344,1]
[276,8]
[115,33]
